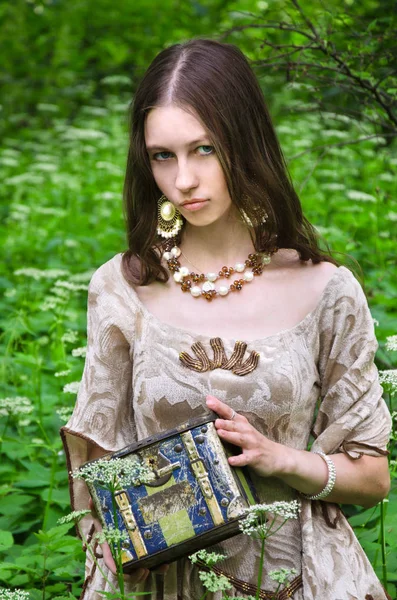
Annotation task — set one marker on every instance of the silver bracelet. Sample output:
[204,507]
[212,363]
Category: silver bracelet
[331,478]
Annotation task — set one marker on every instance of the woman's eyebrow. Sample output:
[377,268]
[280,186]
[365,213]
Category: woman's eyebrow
[200,140]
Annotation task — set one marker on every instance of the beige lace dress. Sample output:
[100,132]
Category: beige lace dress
[135,385]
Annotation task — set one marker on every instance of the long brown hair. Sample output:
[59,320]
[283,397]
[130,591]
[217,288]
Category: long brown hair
[216,81]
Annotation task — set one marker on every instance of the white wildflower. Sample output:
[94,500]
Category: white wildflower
[42,157]
[302,143]
[10,152]
[74,516]
[391,343]
[50,210]
[64,413]
[213,582]
[96,111]
[391,216]
[82,351]
[43,107]
[19,405]
[72,287]
[84,276]
[10,293]
[116,80]
[44,166]
[8,161]
[120,107]
[70,243]
[328,133]
[386,177]
[208,558]
[75,133]
[334,187]
[40,274]
[72,387]
[282,576]
[51,303]
[61,293]
[111,535]
[62,373]
[16,594]
[107,196]
[69,337]
[389,379]
[261,519]
[109,167]
[361,196]
[326,173]
[115,473]
[30,178]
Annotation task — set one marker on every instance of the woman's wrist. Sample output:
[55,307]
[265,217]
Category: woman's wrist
[305,471]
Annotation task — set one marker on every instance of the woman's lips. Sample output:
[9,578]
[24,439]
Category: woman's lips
[195,205]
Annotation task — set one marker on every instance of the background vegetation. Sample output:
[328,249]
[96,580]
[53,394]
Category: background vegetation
[69,71]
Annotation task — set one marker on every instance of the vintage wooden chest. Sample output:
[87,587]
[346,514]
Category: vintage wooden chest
[194,500]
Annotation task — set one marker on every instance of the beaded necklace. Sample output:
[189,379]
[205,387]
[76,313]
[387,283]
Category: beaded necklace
[253,266]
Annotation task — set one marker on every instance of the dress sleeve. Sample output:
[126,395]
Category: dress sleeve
[103,414]
[353,417]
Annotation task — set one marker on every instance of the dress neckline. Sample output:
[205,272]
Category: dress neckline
[295,329]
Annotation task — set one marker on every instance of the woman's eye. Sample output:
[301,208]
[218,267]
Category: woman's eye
[161,156]
[205,150]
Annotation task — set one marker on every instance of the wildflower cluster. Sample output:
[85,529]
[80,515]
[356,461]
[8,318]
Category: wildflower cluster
[74,516]
[13,594]
[282,576]
[62,373]
[38,274]
[64,413]
[72,387]
[391,343]
[15,406]
[115,474]
[389,379]
[208,558]
[112,536]
[213,582]
[260,518]
[69,337]
[82,351]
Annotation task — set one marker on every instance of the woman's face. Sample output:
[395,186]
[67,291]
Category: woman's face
[185,166]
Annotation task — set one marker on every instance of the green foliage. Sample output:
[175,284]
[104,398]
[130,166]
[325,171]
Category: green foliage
[68,72]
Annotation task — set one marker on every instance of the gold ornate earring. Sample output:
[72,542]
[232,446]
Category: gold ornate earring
[169,220]
[261,218]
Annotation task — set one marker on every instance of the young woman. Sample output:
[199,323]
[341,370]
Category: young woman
[219,250]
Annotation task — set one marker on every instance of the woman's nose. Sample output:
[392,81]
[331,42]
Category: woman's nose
[186,178]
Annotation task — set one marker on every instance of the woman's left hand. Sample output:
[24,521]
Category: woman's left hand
[257,451]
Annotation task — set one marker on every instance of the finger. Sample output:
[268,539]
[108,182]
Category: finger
[231,424]
[108,558]
[240,460]
[222,409]
[233,437]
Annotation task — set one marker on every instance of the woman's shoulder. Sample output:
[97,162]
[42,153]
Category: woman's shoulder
[108,280]
[315,284]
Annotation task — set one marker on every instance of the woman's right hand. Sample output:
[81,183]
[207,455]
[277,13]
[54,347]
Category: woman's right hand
[138,575]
